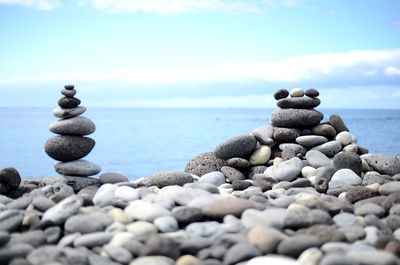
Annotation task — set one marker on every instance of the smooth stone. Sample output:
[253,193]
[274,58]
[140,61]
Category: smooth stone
[68,240]
[281,93]
[168,178]
[353,233]
[312,92]
[269,218]
[20,203]
[295,245]
[188,260]
[166,224]
[369,208]
[219,208]
[35,238]
[337,259]
[4,238]
[77,168]
[285,134]
[232,173]
[260,156]
[298,103]
[70,93]
[266,239]
[325,130]
[79,183]
[344,138]
[203,164]
[63,210]
[68,148]
[317,159]
[273,259]
[73,126]
[68,113]
[14,252]
[105,193]
[92,239]
[285,171]
[211,230]
[310,256]
[345,220]
[264,134]
[337,123]
[126,193]
[240,252]
[88,222]
[329,149]
[238,162]
[52,234]
[309,141]
[238,146]
[241,184]
[152,260]
[389,188]
[42,203]
[292,118]
[10,178]
[145,211]
[344,177]
[69,87]
[142,229]
[112,178]
[372,257]
[203,186]
[308,171]
[351,148]
[183,195]
[158,245]
[298,149]
[359,193]
[68,103]
[117,253]
[297,92]
[384,164]
[348,160]
[120,216]
[186,215]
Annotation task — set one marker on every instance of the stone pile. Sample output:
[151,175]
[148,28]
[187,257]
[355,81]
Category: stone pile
[71,145]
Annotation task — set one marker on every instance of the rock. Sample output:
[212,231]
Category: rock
[35,238]
[296,92]
[317,159]
[68,103]
[281,93]
[68,148]
[310,256]
[153,260]
[359,193]
[210,230]
[389,188]
[345,220]
[69,87]
[241,184]
[10,178]
[344,177]
[264,134]
[146,211]
[117,253]
[309,141]
[42,203]
[73,126]
[186,215]
[260,156]
[166,224]
[168,178]
[384,164]
[329,149]
[268,218]
[93,239]
[10,220]
[298,149]
[68,113]
[295,245]
[344,138]
[240,252]
[77,168]
[372,257]
[126,193]
[238,146]
[88,222]
[14,252]
[337,123]
[325,130]
[376,178]
[158,245]
[219,208]
[351,148]
[348,160]
[369,208]
[337,259]
[20,203]
[4,238]
[298,103]
[238,162]
[63,210]
[203,164]
[285,134]
[285,171]
[68,93]
[215,178]
[52,234]
[266,239]
[288,153]
[142,229]
[112,178]
[292,118]
[232,173]
[79,183]
[313,93]
[188,260]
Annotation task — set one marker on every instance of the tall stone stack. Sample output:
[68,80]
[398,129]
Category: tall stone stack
[71,145]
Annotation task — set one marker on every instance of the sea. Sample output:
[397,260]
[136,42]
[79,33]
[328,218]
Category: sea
[138,142]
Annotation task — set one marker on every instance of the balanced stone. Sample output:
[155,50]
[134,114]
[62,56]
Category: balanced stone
[77,168]
[68,148]
[69,87]
[311,140]
[291,118]
[73,126]
[68,113]
[337,123]
[285,134]
[238,146]
[281,93]
[68,93]
[67,103]
[296,92]
[313,93]
[298,103]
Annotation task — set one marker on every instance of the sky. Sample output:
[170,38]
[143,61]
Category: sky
[199,53]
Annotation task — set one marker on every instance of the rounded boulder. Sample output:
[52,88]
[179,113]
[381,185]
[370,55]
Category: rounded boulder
[68,148]
[238,146]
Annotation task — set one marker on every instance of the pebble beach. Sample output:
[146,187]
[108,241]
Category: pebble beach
[294,191]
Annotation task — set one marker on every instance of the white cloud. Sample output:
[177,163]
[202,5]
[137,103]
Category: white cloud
[38,4]
[391,70]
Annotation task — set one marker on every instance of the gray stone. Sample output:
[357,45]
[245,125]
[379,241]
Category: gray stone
[63,210]
[264,134]
[98,260]
[46,254]
[238,146]
[166,224]
[317,159]
[203,164]
[73,126]
[4,238]
[68,148]
[312,92]
[329,149]
[112,178]
[372,257]
[344,177]
[79,183]
[77,168]
[376,178]
[337,123]
[42,203]
[67,102]
[383,164]
[325,130]
[389,188]
[68,240]
[344,138]
[291,118]
[217,209]
[118,253]
[88,222]
[285,171]
[241,252]
[145,211]
[20,203]
[269,218]
[216,178]
[281,93]
[298,103]
[13,252]
[68,113]
[10,220]
[232,173]
[168,178]
[52,234]
[93,239]
[295,245]
[337,259]
[68,92]
[348,160]
[370,208]
[345,220]
[126,193]
[311,140]
[359,193]
[203,186]
[186,215]
[10,178]
[285,134]
[211,230]
[35,238]
[164,246]
[353,233]
[298,149]
[238,162]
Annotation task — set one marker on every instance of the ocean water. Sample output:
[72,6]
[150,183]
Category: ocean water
[138,142]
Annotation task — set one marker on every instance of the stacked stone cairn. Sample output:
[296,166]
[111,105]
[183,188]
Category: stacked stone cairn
[298,192]
[71,145]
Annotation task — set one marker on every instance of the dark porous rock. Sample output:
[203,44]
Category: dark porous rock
[163,246]
[10,220]
[298,149]
[281,93]
[383,164]
[337,123]
[359,193]
[203,164]
[238,146]
[68,93]
[325,130]
[238,162]
[292,118]
[285,134]
[264,182]
[312,92]
[295,245]
[298,103]
[79,183]
[87,222]
[348,160]
[232,173]
[73,126]
[321,185]
[288,153]
[68,103]
[69,87]
[240,184]
[254,170]
[68,148]
[217,209]
[241,252]
[186,215]
[264,134]
[35,238]
[10,178]
[10,253]
[168,178]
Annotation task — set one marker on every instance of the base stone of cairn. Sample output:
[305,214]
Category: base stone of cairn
[71,145]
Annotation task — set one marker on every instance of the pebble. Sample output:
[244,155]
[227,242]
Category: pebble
[310,256]
[351,148]
[298,149]
[266,239]
[348,160]
[142,228]
[264,134]
[344,138]
[285,134]
[344,177]
[126,193]
[77,168]
[273,259]
[63,210]
[145,211]
[325,130]
[112,178]
[52,234]
[292,118]
[384,164]
[153,260]
[68,92]
[317,159]
[329,149]
[203,164]
[42,203]
[105,193]
[295,245]
[238,146]
[166,224]
[309,141]
[188,260]
[92,239]
[232,173]
[238,162]
[217,209]
[73,126]
[168,178]
[281,93]
[389,188]
[68,113]
[345,220]
[10,178]
[13,252]
[337,123]
[216,178]
[298,103]
[297,92]
[240,252]
[117,253]
[285,171]
[68,103]
[337,259]
[369,208]
[359,193]
[186,215]
[313,93]
[159,245]
[372,257]
[268,218]
[88,222]
[260,156]
[210,229]
[68,148]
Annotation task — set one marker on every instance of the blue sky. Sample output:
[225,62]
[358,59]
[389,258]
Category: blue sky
[200,53]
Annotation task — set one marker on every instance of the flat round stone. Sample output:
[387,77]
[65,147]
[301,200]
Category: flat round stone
[312,93]
[73,126]
[281,93]
[77,168]
[298,103]
[296,92]
[311,140]
[69,87]
[68,93]
[292,118]
[68,113]
[68,148]
[67,103]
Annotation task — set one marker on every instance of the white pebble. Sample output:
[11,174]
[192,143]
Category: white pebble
[296,92]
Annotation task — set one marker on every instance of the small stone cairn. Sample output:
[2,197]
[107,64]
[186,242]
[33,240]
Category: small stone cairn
[70,145]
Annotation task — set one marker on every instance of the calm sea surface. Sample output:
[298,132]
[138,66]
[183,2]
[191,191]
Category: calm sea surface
[138,142]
